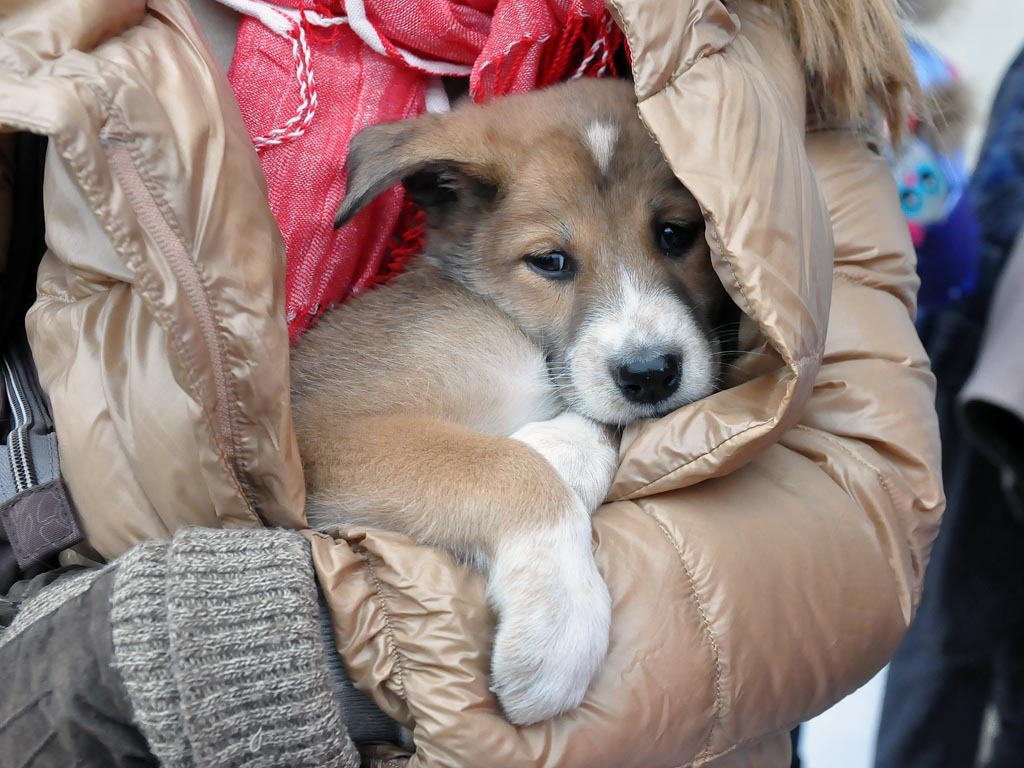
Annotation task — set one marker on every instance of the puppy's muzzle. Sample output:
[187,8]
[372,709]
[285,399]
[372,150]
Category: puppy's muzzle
[648,380]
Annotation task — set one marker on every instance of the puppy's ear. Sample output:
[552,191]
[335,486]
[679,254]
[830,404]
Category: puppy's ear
[426,154]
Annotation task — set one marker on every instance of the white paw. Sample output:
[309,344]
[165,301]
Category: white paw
[583,452]
[554,618]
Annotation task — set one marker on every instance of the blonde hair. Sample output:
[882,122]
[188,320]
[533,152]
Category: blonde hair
[855,58]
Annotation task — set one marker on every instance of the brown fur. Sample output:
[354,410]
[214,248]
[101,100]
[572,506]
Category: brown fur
[439,405]
[438,482]
[420,347]
[392,421]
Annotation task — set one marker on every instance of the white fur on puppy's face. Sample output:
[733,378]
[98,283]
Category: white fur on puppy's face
[560,221]
[637,319]
[602,136]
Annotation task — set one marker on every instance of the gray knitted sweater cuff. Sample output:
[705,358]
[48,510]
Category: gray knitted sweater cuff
[217,638]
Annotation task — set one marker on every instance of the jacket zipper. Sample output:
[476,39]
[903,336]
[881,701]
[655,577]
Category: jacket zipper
[18,440]
[153,222]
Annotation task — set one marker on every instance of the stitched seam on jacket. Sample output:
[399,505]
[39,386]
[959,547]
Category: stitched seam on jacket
[742,744]
[729,256]
[716,653]
[60,298]
[34,702]
[879,475]
[389,629]
[199,299]
[678,72]
[184,354]
[122,243]
[627,497]
[842,274]
[700,456]
[856,281]
[683,68]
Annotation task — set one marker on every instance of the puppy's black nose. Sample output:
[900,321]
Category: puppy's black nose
[650,379]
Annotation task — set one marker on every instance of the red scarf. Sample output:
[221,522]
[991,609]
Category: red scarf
[308,76]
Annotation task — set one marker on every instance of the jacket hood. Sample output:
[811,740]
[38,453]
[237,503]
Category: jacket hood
[731,125]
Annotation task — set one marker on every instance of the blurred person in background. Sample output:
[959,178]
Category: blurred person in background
[964,654]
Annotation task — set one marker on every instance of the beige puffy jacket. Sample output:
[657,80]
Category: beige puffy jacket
[764,547]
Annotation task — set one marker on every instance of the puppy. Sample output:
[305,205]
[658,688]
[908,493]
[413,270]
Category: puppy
[474,402]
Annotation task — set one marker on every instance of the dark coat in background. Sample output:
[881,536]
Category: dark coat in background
[965,650]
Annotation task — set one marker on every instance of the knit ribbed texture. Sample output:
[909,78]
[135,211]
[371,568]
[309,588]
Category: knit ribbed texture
[217,637]
[142,651]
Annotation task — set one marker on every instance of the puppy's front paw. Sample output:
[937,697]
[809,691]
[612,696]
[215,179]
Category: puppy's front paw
[584,453]
[554,617]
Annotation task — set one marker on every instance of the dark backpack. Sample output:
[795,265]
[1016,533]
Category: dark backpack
[36,517]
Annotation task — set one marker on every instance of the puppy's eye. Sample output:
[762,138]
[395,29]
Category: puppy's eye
[676,239]
[554,265]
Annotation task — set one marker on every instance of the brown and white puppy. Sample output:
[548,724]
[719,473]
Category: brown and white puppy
[473,403]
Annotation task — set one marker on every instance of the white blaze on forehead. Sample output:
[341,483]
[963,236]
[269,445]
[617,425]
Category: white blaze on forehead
[601,138]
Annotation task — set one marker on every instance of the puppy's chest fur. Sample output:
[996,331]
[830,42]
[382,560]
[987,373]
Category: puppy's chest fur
[423,346]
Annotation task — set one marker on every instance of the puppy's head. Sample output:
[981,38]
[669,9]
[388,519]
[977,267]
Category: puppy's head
[558,207]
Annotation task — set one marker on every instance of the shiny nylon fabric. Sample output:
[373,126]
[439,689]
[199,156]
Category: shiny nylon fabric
[159,330]
[758,573]
[769,243]
[764,547]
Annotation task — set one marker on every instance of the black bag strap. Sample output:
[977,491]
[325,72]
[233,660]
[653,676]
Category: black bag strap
[35,509]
